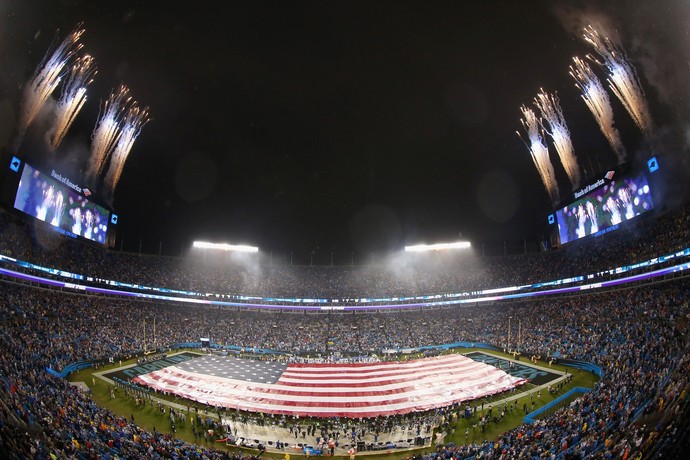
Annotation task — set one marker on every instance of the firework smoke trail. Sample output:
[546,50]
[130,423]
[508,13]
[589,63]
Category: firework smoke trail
[73,96]
[540,152]
[135,119]
[597,100]
[44,81]
[108,130]
[558,131]
[622,79]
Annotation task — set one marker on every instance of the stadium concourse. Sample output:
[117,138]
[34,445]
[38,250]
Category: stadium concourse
[636,333]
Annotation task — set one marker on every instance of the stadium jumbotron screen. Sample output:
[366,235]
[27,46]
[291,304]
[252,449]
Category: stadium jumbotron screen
[56,204]
[609,204]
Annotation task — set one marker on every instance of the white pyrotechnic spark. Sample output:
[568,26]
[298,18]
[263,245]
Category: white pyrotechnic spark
[131,126]
[622,79]
[597,100]
[540,152]
[558,131]
[73,96]
[108,130]
[45,79]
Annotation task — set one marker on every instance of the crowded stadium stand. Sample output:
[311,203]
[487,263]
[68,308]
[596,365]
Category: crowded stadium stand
[616,306]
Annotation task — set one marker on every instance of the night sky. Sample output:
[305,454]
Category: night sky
[333,126]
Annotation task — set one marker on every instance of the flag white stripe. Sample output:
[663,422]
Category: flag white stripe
[427,373]
[345,376]
[454,359]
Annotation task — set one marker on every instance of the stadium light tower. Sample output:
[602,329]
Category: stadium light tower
[438,246]
[225,247]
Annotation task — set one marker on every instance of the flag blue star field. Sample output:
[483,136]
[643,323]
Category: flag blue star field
[330,390]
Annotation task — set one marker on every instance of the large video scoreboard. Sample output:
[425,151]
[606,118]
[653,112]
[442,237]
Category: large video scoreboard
[613,199]
[57,202]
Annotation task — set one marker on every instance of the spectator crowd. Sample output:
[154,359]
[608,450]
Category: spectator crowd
[636,334]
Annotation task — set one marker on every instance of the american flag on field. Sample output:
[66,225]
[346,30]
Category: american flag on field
[331,390]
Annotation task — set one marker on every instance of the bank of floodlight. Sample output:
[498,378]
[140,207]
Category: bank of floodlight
[438,247]
[225,247]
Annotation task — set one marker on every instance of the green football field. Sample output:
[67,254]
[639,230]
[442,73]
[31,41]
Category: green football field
[465,430]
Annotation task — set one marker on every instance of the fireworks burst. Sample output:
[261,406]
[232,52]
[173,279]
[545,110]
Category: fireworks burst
[45,79]
[135,119]
[558,131]
[622,79]
[597,99]
[540,152]
[73,96]
[108,130]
